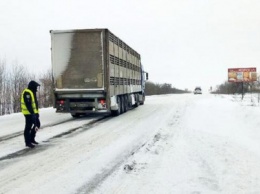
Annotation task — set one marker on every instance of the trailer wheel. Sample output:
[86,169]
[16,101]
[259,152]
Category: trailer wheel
[123,104]
[118,111]
[126,103]
[129,102]
[75,115]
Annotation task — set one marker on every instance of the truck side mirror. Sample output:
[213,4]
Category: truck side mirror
[146,76]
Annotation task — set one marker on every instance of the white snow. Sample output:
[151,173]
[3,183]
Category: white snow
[173,144]
[63,44]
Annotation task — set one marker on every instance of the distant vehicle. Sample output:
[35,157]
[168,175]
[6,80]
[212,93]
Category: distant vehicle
[198,90]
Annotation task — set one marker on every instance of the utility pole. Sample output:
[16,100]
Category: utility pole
[242,90]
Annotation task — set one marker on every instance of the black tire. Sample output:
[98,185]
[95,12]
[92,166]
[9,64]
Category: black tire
[129,102]
[136,100]
[126,103]
[122,104]
[75,115]
[142,102]
[119,110]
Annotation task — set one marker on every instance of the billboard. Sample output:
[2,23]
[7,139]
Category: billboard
[242,74]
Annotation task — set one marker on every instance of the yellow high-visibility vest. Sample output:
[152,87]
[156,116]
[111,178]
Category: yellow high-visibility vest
[23,105]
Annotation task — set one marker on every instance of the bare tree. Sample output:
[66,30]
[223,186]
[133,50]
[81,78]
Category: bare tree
[14,80]
[5,89]
[46,90]
[2,78]
[7,94]
[19,81]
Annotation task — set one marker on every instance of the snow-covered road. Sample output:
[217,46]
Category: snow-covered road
[172,144]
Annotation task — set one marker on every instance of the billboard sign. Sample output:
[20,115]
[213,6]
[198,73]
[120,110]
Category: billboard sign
[242,74]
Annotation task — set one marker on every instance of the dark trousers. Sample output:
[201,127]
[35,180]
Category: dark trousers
[29,130]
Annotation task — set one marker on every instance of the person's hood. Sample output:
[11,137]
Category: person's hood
[33,86]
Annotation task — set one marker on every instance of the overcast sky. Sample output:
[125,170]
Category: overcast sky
[186,43]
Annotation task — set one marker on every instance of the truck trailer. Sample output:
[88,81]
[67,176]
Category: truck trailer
[95,71]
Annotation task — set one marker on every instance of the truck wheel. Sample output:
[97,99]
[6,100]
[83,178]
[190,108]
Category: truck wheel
[126,103]
[129,103]
[142,102]
[122,104]
[136,100]
[75,115]
[119,102]
[118,111]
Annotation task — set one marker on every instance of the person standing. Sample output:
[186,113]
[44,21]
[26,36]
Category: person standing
[30,110]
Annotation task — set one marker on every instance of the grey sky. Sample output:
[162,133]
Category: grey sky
[182,42]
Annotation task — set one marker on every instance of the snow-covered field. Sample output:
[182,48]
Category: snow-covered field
[185,143]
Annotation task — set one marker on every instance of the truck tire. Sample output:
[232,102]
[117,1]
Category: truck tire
[136,100]
[126,103]
[75,115]
[142,102]
[118,111]
[129,102]
[123,108]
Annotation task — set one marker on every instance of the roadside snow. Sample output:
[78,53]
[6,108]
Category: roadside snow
[211,146]
[173,144]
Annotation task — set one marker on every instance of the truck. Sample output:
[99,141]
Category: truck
[94,71]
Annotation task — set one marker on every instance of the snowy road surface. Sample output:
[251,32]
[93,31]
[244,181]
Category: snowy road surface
[173,144]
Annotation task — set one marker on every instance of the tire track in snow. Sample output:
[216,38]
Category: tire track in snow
[41,147]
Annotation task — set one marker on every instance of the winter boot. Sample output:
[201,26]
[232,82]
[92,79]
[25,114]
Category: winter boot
[34,142]
[30,145]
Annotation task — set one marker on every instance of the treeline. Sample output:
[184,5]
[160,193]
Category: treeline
[157,89]
[14,79]
[237,88]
